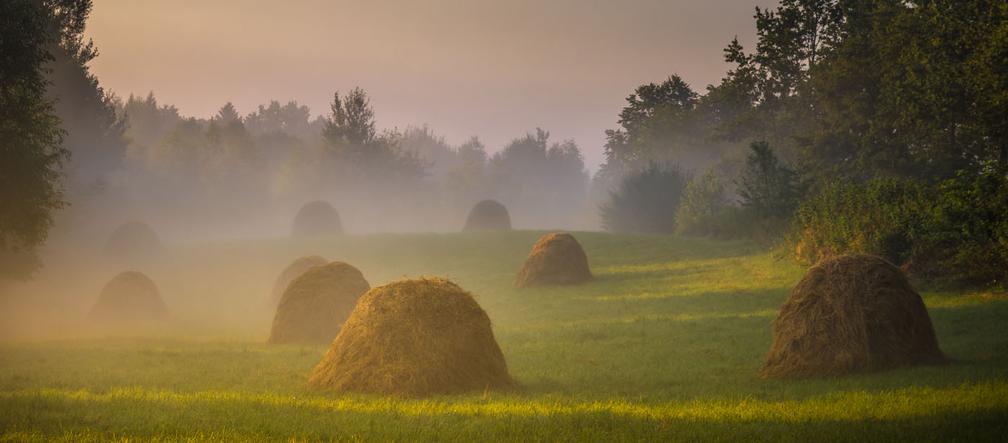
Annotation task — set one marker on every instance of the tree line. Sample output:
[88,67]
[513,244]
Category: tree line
[851,126]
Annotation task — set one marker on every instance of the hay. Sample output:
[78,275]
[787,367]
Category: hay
[316,219]
[556,259]
[291,272]
[488,215]
[316,304]
[129,298]
[851,314]
[133,240]
[414,338]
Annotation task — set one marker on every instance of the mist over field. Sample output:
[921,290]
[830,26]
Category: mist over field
[482,220]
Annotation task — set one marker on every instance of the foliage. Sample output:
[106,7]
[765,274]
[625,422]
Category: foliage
[881,216]
[147,123]
[646,202]
[359,150]
[967,240]
[545,178]
[767,188]
[466,181]
[914,89]
[954,232]
[94,132]
[433,148]
[31,151]
[703,202]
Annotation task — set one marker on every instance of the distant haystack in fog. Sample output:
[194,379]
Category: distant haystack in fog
[130,298]
[849,314]
[315,305]
[488,215]
[291,272]
[556,259]
[133,241]
[316,219]
[414,338]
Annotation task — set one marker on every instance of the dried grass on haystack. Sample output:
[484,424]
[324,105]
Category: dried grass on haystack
[316,304]
[291,272]
[414,338]
[316,219]
[556,259]
[850,314]
[129,298]
[488,215]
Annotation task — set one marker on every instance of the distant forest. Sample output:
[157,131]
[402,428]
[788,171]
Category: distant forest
[874,126]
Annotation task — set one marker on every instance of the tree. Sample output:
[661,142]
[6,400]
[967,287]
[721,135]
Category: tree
[431,147]
[702,202]
[231,153]
[646,202]
[351,137]
[31,151]
[146,123]
[657,123]
[767,188]
[466,181]
[94,133]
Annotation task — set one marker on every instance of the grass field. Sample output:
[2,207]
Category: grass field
[663,345]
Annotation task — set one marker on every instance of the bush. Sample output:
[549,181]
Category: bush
[952,233]
[967,240]
[646,202]
[703,203]
[768,188]
[879,217]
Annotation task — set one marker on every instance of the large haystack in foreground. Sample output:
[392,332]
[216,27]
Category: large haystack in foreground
[488,215]
[316,219]
[315,305]
[556,259]
[130,298]
[849,314]
[132,241]
[414,338]
[291,272]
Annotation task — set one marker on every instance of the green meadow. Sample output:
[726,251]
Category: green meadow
[663,345]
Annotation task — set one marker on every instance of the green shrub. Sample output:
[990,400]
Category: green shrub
[703,203]
[952,233]
[768,189]
[646,202]
[881,216]
[967,240]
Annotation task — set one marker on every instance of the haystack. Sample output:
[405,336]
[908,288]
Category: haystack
[414,338]
[133,240]
[291,272]
[488,215]
[556,259]
[129,298]
[315,305]
[850,314]
[316,219]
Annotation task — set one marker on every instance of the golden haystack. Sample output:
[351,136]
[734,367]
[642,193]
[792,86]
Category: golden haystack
[129,298]
[291,272]
[849,314]
[133,240]
[488,215]
[316,304]
[556,259]
[316,219]
[414,338]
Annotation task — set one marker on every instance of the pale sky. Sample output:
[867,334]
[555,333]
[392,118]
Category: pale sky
[495,69]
